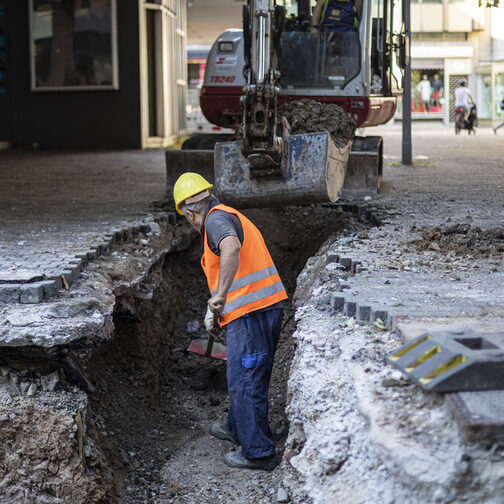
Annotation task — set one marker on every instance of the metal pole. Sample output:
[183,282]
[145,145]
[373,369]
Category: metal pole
[406,112]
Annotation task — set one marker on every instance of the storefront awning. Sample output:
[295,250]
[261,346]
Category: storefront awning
[427,64]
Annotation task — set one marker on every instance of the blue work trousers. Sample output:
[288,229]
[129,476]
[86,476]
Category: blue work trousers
[251,344]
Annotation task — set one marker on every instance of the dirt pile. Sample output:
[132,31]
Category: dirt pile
[310,116]
[463,240]
[45,456]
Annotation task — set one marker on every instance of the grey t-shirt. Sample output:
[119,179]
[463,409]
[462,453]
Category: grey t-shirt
[219,225]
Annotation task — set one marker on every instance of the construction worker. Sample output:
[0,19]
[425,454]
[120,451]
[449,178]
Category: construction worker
[246,293]
[338,21]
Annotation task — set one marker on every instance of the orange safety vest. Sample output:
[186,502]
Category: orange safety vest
[256,284]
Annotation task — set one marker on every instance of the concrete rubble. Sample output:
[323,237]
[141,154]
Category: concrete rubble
[357,433]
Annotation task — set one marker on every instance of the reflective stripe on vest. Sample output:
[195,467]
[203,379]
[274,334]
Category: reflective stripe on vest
[251,278]
[256,284]
[253,296]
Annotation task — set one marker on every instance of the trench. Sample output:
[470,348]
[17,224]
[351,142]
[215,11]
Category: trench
[154,401]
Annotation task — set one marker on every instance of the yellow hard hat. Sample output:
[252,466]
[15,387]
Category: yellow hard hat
[187,185]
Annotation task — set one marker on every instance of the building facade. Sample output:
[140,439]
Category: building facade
[451,40]
[92,73]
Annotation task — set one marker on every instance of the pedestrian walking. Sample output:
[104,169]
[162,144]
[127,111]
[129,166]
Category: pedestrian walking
[246,293]
[502,123]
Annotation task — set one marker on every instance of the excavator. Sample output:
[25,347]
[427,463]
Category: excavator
[279,57]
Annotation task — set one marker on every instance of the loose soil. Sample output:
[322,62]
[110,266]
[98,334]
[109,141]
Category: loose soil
[462,240]
[310,116]
[155,401]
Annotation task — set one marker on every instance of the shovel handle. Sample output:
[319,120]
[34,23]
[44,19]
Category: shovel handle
[208,351]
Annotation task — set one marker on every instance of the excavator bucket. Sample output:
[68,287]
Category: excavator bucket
[312,170]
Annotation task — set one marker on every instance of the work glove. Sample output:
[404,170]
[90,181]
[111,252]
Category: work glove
[209,320]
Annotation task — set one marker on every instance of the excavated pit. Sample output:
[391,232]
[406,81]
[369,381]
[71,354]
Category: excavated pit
[154,400]
[127,420]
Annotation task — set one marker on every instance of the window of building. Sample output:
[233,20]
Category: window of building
[499,94]
[73,44]
[483,95]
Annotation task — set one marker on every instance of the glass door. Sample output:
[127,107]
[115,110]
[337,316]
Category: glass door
[163,71]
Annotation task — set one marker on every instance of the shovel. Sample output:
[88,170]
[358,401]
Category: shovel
[209,347]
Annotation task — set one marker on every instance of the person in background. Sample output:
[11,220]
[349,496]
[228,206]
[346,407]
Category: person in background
[502,123]
[437,90]
[464,98]
[424,87]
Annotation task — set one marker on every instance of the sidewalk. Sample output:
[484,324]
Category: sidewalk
[59,210]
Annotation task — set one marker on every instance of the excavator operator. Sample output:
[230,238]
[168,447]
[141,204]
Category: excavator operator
[337,15]
[247,294]
[340,19]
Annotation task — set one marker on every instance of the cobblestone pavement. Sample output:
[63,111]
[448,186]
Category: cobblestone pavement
[59,210]
[453,178]
[429,259]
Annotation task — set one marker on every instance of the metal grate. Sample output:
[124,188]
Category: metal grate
[453,84]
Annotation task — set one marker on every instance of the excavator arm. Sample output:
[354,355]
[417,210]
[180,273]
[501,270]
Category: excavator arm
[262,146]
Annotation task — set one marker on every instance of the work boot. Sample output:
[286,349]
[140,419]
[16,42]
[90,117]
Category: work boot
[220,430]
[238,461]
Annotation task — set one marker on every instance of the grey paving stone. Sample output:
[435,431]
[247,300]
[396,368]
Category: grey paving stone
[92,254]
[69,277]
[332,258]
[9,293]
[350,308]
[104,248]
[379,313]
[337,302]
[346,262]
[31,293]
[50,288]
[363,312]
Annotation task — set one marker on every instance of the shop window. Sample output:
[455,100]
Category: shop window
[483,95]
[73,44]
[499,94]
[427,91]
